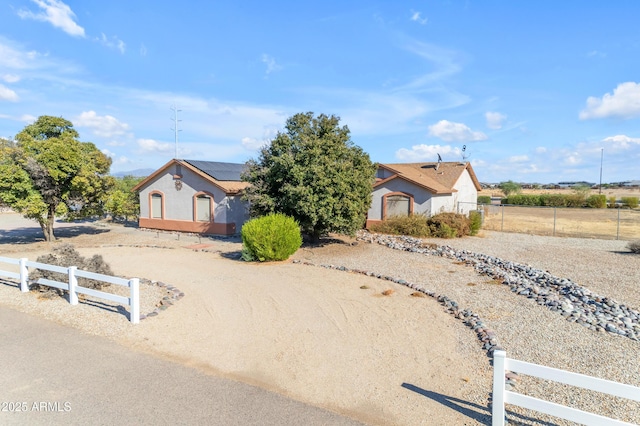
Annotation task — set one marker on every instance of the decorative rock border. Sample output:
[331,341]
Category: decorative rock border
[574,302]
[173,294]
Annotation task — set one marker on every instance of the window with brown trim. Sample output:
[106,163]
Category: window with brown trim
[203,208]
[398,205]
[156,206]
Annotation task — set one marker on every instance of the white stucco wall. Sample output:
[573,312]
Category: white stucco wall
[462,201]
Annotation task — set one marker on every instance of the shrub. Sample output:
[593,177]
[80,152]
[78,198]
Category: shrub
[484,199]
[612,201]
[449,225]
[631,202]
[475,222]
[65,255]
[271,237]
[414,225]
[634,246]
[553,200]
[597,201]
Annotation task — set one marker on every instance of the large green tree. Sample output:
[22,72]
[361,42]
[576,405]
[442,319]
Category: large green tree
[313,172]
[48,172]
[122,202]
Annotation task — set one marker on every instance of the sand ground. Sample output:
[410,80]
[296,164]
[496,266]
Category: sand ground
[324,337]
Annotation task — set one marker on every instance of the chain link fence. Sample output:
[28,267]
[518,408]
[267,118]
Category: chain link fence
[618,223]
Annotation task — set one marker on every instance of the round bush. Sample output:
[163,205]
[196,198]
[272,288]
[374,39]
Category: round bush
[272,237]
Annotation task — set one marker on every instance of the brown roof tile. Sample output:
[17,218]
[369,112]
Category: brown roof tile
[437,179]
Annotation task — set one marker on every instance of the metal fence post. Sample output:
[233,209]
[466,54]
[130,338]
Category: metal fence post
[24,275]
[555,209]
[502,224]
[73,283]
[497,400]
[134,301]
[618,227]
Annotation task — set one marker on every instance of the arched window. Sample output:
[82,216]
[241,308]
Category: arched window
[156,206]
[397,204]
[203,208]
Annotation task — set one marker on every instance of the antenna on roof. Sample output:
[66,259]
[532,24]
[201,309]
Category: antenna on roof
[464,154]
[439,161]
[175,110]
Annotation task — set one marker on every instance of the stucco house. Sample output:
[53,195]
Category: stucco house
[429,188]
[194,196]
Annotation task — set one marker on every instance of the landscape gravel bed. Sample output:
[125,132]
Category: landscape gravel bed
[525,329]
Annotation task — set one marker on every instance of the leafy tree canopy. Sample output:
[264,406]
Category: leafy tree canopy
[510,187]
[47,172]
[314,173]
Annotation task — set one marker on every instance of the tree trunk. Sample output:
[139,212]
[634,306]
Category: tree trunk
[47,226]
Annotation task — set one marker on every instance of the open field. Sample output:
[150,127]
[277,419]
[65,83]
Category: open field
[623,224]
[617,192]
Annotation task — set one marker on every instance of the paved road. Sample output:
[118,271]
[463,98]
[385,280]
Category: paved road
[58,375]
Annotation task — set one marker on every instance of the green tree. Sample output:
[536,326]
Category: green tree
[47,172]
[314,173]
[121,202]
[510,187]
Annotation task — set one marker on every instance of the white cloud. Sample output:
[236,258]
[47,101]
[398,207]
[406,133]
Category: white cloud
[252,144]
[10,78]
[271,64]
[28,118]
[104,126]
[518,158]
[423,152]
[7,94]
[417,17]
[57,14]
[152,146]
[541,150]
[621,142]
[494,119]
[143,50]
[623,103]
[449,131]
[112,42]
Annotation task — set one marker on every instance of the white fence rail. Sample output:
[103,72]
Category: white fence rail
[501,396]
[71,285]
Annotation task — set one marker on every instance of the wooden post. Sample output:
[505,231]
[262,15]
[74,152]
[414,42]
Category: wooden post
[497,411]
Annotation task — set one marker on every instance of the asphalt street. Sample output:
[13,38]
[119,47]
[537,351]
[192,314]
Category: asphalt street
[52,374]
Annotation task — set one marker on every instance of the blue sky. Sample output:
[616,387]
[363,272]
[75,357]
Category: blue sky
[536,91]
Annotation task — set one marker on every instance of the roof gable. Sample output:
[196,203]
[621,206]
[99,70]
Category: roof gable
[438,178]
[226,176]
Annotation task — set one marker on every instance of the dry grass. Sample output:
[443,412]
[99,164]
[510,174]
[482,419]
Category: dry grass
[622,224]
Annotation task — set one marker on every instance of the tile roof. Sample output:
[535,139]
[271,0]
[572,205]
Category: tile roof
[438,179]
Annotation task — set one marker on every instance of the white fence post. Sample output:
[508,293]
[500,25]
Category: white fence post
[498,411]
[73,283]
[24,275]
[134,301]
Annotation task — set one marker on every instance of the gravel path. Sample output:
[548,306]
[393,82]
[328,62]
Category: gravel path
[526,330]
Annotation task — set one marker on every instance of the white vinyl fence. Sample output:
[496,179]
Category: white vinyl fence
[501,396]
[133,301]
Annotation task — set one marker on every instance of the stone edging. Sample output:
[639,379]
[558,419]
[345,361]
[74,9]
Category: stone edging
[173,294]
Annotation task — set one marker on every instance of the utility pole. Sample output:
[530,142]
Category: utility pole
[175,128]
[601,157]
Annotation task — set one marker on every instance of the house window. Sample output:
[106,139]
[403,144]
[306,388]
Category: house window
[398,205]
[203,208]
[156,206]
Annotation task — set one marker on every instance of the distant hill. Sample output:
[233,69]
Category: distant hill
[134,173]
